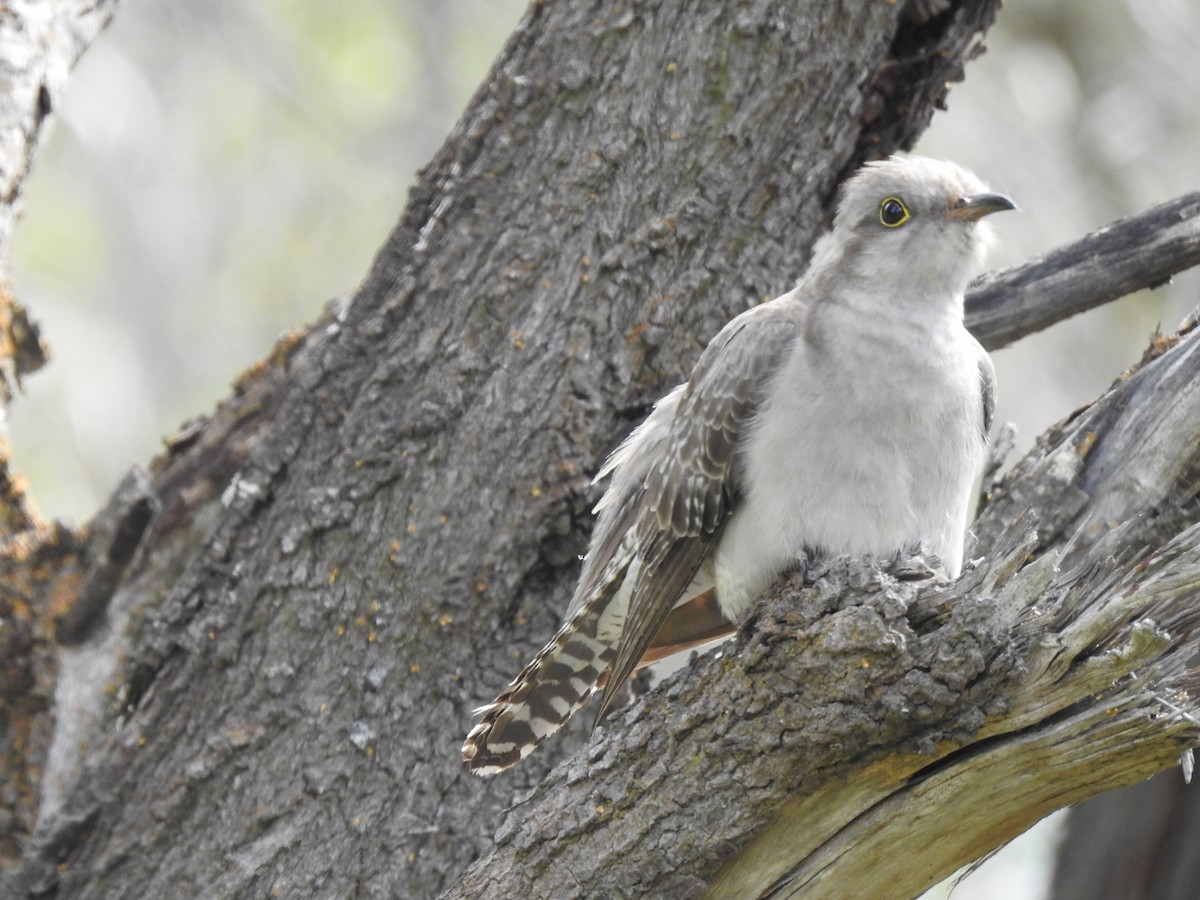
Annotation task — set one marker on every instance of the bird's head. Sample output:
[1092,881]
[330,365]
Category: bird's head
[912,224]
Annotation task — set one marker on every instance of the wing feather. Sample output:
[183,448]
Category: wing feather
[676,477]
[987,384]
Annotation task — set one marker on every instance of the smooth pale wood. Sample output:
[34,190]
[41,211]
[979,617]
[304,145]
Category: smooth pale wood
[985,800]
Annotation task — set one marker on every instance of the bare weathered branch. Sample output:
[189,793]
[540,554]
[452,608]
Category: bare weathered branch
[1139,251]
[40,41]
[1131,457]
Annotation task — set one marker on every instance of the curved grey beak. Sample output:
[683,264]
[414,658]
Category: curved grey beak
[977,206]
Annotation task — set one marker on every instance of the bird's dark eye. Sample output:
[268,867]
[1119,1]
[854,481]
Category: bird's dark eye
[893,213]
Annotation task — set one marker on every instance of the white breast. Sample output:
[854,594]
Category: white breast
[869,443]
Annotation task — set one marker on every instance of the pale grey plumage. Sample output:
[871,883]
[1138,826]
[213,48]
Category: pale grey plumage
[848,416]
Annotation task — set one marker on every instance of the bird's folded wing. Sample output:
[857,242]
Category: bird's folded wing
[676,490]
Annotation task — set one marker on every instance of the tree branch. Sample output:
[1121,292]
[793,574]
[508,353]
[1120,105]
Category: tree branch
[40,41]
[1139,251]
[1035,690]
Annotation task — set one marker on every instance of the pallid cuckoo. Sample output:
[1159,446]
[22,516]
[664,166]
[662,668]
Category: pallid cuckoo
[848,416]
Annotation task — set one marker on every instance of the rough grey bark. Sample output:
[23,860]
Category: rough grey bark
[381,523]
[928,737]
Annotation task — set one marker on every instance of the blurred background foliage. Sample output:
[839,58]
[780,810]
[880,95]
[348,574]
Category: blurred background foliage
[219,170]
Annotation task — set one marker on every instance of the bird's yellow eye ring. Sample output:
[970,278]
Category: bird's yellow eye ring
[893,213]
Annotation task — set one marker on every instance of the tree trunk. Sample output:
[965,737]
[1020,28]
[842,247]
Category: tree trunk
[276,635]
[1137,842]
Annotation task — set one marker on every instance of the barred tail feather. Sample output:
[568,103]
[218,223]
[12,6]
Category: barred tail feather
[539,701]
